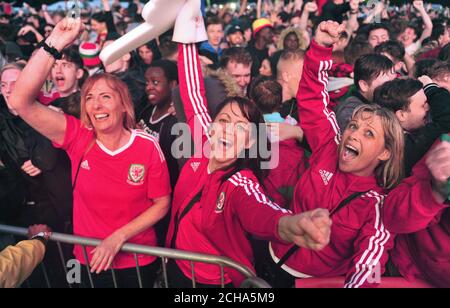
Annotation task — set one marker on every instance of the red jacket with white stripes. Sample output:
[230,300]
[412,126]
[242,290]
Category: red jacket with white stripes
[422,248]
[359,240]
[229,210]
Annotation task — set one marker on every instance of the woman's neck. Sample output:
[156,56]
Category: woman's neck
[114,141]
[214,165]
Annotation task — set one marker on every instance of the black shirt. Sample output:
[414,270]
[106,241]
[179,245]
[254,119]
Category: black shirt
[161,129]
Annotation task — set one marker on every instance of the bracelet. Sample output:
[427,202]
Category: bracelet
[41,239]
[50,50]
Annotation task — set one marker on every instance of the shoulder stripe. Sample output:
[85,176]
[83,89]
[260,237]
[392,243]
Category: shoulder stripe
[155,142]
[193,88]
[325,66]
[252,189]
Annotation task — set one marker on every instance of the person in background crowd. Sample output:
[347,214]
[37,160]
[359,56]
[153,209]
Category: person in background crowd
[235,36]
[440,74]
[403,63]
[34,160]
[102,23]
[237,62]
[132,76]
[370,72]
[157,119]
[259,46]
[67,75]
[378,34]
[90,54]
[211,49]
[269,66]
[410,36]
[288,163]
[148,53]
[291,40]
[414,102]
[289,72]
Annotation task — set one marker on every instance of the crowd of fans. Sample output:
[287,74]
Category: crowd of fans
[354,98]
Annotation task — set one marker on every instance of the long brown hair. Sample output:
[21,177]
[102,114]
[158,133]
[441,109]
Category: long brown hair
[117,86]
[390,172]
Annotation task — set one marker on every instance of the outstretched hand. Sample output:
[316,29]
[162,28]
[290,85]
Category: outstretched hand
[309,230]
[328,33]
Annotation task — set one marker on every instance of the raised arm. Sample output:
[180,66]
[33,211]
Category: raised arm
[192,91]
[310,7]
[353,25]
[49,123]
[317,121]
[109,17]
[418,5]
[375,13]
[243,7]
[48,18]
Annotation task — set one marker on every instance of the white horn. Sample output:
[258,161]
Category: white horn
[160,16]
[189,26]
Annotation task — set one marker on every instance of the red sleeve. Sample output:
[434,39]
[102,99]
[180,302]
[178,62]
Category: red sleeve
[316,120]
[411,206]
[76,138]
[371,251]
[158,173]
[192,91]
[257,214]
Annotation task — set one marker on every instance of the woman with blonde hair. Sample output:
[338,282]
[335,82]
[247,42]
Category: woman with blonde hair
[348,175]
[119,175]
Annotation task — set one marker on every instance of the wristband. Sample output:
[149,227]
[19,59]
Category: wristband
[50,50]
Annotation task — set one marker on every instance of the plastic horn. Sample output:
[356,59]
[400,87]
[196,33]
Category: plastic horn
[75,10]
[159,16]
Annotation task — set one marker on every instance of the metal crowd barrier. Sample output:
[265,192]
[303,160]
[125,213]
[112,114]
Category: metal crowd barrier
[251,281]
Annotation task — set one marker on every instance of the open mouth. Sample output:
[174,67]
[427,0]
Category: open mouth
[60,80]
[225,144]
[101,116]
[349,152]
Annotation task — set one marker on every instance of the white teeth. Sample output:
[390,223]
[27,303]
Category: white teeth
[351,148]
[101,116]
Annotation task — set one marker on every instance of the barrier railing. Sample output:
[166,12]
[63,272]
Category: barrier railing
[251,281]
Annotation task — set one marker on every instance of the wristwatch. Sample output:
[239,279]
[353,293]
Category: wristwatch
[42,236]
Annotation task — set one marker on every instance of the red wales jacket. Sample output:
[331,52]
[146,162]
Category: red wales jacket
[229,209]
[359,240]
